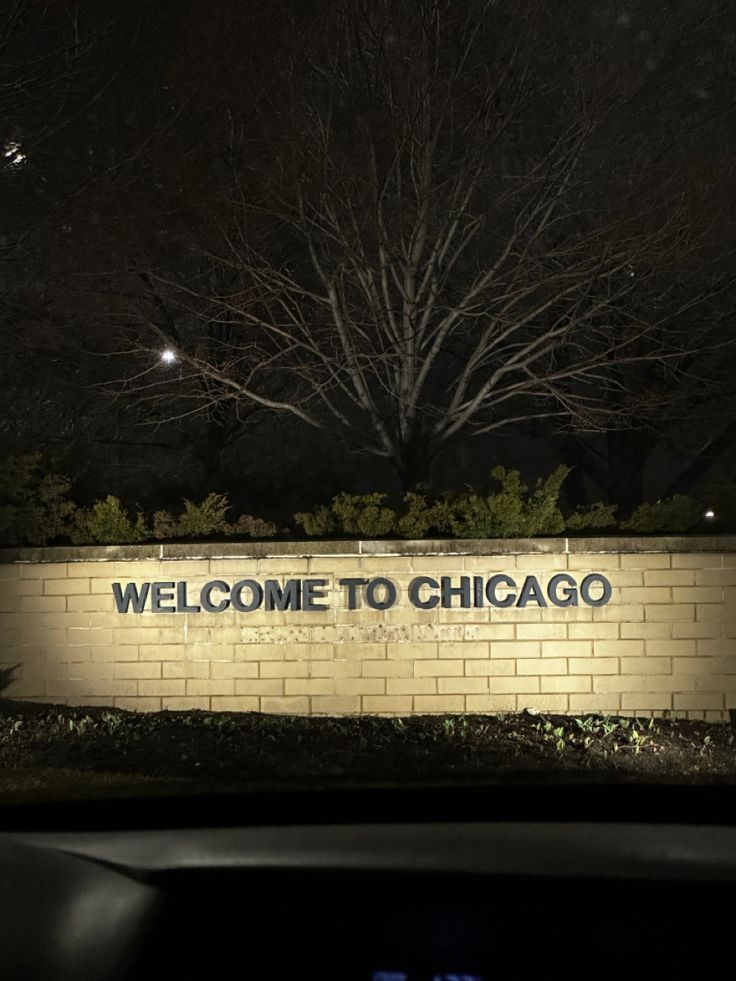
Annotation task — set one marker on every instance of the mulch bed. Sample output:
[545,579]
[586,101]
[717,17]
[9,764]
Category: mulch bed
[227,750]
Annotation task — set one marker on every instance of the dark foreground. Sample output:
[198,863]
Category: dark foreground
[58,752]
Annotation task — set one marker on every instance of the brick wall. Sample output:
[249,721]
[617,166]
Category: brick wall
[664,644]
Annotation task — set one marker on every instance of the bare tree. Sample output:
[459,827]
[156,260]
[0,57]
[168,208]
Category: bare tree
[443,225]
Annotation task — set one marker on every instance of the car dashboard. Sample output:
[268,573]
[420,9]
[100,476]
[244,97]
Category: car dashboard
[414,896]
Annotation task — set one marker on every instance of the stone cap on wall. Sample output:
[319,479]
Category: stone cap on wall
[445,546]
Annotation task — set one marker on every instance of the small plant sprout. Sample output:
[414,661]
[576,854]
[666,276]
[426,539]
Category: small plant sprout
[168,355]
[709,514]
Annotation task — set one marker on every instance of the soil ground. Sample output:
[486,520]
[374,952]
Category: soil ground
[52,751]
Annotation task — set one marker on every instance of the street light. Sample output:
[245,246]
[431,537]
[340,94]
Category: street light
[709,514]
[168,355]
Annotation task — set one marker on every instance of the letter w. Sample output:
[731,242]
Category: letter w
[125,598]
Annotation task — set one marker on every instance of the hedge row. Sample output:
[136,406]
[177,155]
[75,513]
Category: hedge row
[35,509]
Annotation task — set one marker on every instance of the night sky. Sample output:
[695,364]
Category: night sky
[282,250]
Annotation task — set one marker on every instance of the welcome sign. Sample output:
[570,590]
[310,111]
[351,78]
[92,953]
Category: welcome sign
[376,593]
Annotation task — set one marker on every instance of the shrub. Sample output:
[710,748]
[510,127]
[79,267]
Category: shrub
[320,522]
[34,507]
[419,516]
[206,518]
[251,526]
[509,512]
[165,525]
[674,514]
[363,514]
[108,523]
[598,515]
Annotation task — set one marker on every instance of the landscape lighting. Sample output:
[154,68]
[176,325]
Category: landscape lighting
[168,355]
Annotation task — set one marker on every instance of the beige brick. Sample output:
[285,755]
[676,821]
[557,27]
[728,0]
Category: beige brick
[161,686]
[541,631]
[697,594]
[234,703]
[516,685]
[646,665]
[360,652]
[644,560]
[135,704]
[43,570]
[647,701]
[607,683]
[86,636]
[566,648]
[716,647]
[542,665]
[390,704]
[89,669]
[488,564]
[111,653]
[462,686]
[542,562]
[362,686]
[412,651]
[493,631]
[715,577]
[85,570]
[669,577]
[282,669]
[161,652]
[335,705]
[490,703]
[617,613]
[701,702]
[294,705]
[670,648]
[262,686]
[186,704]
[331,669]
[309,686]
[410,686]
[705,665]
[206,686]
[468,649]
[608,702]
[593,631]
[231,669]
[598,562]
[146,570]
[65,587]
[565,684]
[388,669]
[492,666]
[670,611]
[593,665]
[503,649]
[544,702]
[645,594]
[41,604]
[9,570]
[136,669]
[618,648]
[697,560]
[186,669]
[698,628]
[439,703]
[438,668]
[645,631]
[713,682]
[710,612]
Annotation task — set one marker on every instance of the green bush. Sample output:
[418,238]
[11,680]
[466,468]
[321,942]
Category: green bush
[106,522]
[510,512]
[350,514]
[34,507]
[165,525]
[253,527]
[674,514]
[206,518]
[363,514]
[318,523]
[419,516]
[598,515]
